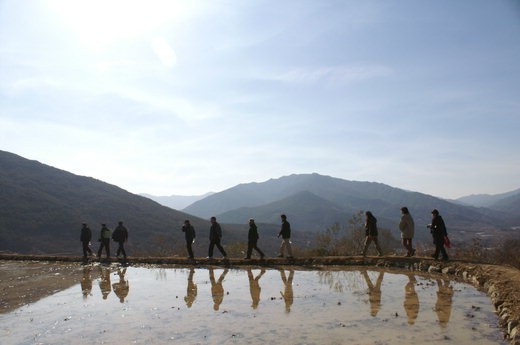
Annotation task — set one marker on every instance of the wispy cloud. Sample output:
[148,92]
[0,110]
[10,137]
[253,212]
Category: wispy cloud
[335,74]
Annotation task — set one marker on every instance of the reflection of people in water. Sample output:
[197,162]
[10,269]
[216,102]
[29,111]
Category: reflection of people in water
[374,292]
[288,294]
[86,282]
[121,288]
[411,299]
[191,291]
[254,287]
[104,283]
[443,304]
[217,290]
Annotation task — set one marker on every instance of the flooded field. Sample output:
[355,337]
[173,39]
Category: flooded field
[99,304]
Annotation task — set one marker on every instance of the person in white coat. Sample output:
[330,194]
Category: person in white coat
[406,226]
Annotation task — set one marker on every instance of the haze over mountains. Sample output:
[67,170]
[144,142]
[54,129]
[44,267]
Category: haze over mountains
[177,202]
[42,208]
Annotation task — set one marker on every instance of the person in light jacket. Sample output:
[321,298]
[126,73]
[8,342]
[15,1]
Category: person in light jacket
[406,225]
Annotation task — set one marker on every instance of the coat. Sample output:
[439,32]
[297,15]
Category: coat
[406,225]
[438,230]
[215,232]
[285,232]
[252,236]
[371,226]
[189,232]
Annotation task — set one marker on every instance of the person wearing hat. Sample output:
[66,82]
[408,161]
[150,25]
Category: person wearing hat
[252,239]
[438,231]
[104,239]
[85,237]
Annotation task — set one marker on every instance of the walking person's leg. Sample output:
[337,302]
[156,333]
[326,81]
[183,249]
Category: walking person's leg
[289,247]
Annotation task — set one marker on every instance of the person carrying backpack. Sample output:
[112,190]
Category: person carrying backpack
[120,236]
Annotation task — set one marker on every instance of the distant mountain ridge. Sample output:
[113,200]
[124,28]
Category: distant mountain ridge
[42,208]
[315,202]
[488,200]
[177,202]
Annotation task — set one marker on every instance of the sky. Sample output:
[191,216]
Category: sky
[186,97]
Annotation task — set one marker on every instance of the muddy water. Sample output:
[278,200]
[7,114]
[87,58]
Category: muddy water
[150,305]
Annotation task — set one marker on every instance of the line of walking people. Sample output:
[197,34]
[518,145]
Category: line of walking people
[406,227]
[215,238]
[119,235]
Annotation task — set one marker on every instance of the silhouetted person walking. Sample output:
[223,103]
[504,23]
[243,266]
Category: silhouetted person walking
[252,239]
[104,239]
[371,233]
[215,236]
[120,235]
[438,231]
[85,237]
[189,235]
[285,232]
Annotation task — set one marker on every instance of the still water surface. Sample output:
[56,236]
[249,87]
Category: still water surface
[150,305]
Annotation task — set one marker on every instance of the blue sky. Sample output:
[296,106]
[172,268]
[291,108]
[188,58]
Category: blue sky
[186,97]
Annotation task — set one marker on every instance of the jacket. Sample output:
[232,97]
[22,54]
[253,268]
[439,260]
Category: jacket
[406,225]
[105,233]
[120,234]
[86,234]
[189,232]
[215,232]
[285,232]
[438,229]
[253,232]
[371,226]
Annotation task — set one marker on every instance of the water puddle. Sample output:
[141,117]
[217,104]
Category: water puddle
[150,305]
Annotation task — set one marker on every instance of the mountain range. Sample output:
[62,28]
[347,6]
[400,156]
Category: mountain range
[315,202]
[42,208]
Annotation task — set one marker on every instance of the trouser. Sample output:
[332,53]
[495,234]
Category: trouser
[407,243]
[121,249]
[188,247]
[439,248]
[86,248]
[286,243]
[213,243]
[105,243]
[369,239]
[252,245]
